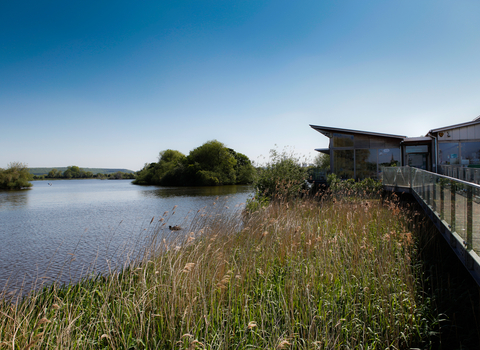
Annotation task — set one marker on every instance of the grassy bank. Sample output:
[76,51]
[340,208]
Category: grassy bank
[306,275]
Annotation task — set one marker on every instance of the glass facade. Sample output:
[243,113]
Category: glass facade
[362,156]
[389,157]
[366,163]
[343,163]
[342,140]
[448,153]
[470,154]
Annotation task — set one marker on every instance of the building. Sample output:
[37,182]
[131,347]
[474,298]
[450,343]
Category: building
[360,154]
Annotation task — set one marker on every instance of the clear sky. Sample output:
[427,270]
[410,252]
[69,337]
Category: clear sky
[113,83]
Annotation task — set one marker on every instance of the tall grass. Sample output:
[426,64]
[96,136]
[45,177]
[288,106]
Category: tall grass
[306,274]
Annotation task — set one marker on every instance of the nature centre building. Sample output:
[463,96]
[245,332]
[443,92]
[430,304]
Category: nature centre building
[361,154]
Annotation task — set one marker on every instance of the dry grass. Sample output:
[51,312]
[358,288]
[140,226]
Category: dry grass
[306,274]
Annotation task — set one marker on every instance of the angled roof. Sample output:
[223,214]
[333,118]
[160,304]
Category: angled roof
[326,130]
[473,122]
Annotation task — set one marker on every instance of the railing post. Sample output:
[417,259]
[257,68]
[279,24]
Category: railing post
[434,193]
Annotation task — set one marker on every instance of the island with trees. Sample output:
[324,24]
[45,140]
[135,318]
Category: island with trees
[15,177]
[211,164]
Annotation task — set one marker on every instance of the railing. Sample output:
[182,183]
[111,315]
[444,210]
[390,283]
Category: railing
[462,173]
[456,203]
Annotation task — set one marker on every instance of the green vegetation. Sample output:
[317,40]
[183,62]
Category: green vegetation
[322,161]
[74,172]
[44,171]
[208,165]
[282,178]
[16,176]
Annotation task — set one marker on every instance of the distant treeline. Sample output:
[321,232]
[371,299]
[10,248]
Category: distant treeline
[106,171]
[74,172]
[208,165]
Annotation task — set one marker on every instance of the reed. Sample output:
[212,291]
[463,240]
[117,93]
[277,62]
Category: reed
[302,274]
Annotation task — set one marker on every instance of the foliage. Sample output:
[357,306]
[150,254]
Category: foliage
[16,176]
[283,177]
[59,171]
[367,187]
[305,275]
[322,161]
[208,165]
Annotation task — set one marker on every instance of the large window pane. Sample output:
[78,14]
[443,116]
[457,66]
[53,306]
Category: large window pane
[343,163]
[471,154]
[342,140]
[365,163]
[389,157]
[448,153]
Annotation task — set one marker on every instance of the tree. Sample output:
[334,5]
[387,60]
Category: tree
[322,161]
[208,165]
[16,176]
[213,164]
[54,174]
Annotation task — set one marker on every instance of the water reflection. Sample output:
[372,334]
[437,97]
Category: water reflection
[13,199]
[205,191]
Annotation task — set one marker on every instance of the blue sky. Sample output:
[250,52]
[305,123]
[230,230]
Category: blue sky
[113,83]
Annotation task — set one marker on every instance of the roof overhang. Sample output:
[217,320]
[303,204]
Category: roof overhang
[461,125]
[323,150]
[329,131]
[417,140]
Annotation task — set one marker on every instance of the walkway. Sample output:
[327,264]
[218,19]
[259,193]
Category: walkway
[452,204]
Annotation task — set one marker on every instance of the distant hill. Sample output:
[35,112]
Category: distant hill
[45,171]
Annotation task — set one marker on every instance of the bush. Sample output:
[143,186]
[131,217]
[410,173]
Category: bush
[16,176]
[366,188]
[283,177]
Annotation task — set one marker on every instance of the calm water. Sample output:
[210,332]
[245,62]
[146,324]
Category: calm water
[63,230]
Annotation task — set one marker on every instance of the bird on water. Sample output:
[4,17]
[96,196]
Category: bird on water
[174,228]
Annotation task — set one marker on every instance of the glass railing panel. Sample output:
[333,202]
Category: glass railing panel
[461,210]
[476,219]
[388,177]
[447,205]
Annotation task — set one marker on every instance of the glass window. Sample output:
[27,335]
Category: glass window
[343,163]
[448,153]
[365,163]
[470,153]
[389,157]
[342,140]
[362,141]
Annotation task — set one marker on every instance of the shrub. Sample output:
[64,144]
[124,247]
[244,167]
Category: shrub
[16,176]
[283,177]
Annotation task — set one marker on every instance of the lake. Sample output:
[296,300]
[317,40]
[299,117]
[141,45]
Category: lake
[60,230]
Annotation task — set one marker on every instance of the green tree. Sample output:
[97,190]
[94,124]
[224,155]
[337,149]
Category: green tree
[212,164]
[54,174]
[16,176]
[322,161]
[244,170]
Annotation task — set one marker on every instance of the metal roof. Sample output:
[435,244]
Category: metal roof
[461,125]
[325,130]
